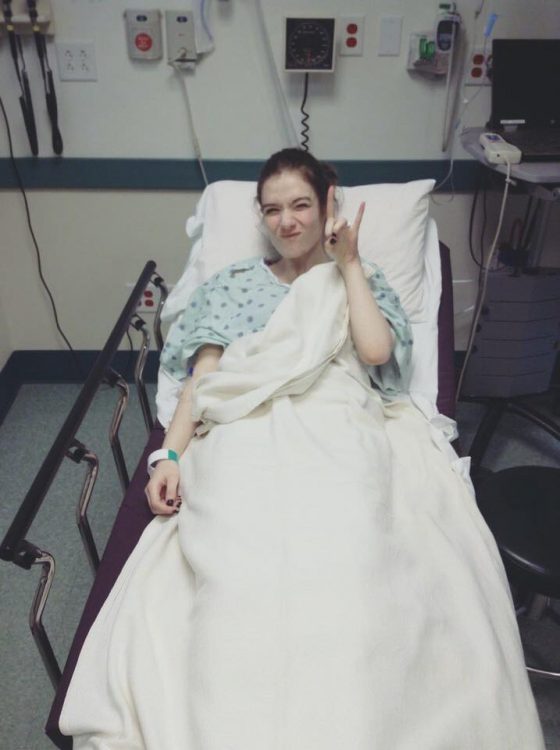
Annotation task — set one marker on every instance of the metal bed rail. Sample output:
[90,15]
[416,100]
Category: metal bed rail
[15,547]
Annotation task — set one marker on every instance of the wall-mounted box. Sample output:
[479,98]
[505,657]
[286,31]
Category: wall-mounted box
[22,22]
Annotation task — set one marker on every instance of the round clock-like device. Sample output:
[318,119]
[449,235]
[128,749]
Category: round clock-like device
[309,45]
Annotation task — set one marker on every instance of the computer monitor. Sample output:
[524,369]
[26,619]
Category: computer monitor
[526,82]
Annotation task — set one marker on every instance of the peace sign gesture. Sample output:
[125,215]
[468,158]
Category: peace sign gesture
[341,240]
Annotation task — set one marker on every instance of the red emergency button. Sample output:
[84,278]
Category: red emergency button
[143,42]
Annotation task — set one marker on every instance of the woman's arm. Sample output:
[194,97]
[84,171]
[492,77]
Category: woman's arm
[162,489]
[371,333]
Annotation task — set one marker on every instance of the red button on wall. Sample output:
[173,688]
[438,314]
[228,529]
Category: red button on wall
[143,42]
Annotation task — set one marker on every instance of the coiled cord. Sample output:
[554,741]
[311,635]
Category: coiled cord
[305,115]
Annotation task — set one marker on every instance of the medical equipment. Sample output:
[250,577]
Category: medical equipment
[143,34]
[497,150]
[46,72]
[431,53]
[309,45]
[180,37]
[25,100]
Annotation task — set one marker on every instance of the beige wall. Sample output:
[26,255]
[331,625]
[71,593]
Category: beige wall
[371,108]
[94,243]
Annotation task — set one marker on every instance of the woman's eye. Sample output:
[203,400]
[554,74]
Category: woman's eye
[302,206]
[270,211]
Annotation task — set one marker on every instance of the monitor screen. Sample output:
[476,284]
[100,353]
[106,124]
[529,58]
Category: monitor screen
[525,82]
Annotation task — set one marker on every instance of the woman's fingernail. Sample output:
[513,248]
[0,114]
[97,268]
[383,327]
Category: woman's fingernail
[169,502]
[333,239]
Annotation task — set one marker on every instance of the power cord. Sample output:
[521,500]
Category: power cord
[305,115]
[482,287]
[35,244]
[181,75]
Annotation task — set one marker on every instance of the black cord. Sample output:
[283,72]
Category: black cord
[305,116]
[471,225]
[483,225]
[35,244]
[531,227]
[525,224]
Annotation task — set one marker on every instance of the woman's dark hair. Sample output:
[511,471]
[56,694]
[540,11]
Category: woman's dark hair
[319,175]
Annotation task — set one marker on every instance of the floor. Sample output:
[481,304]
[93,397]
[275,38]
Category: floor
[25,437]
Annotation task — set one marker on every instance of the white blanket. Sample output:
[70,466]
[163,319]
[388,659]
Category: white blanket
[329,583]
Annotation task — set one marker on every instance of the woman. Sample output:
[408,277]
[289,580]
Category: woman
[329,582]
[295,194]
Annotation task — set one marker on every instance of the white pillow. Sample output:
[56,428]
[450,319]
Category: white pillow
[226,229]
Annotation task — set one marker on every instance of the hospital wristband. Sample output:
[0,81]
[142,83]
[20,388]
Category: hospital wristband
[160,455]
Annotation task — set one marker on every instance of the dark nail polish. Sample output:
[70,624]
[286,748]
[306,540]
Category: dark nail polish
[169,502]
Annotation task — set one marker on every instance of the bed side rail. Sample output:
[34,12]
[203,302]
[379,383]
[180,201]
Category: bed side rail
[15,547]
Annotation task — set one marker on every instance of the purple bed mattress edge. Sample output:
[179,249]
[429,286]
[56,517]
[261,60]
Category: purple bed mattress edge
[134,514]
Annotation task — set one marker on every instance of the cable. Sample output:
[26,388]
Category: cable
[446,125]
[484,222]
[35,244]
[471,225]
[180,73]
[284,109]
[466,103]
[482,288]
[305,115]
[204,20]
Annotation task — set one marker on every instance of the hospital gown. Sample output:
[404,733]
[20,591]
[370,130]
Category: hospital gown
[241,298]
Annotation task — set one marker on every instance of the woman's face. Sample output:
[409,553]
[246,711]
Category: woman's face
[292,215]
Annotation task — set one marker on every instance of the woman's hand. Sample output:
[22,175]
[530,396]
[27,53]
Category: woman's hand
[341,240]
[162,490]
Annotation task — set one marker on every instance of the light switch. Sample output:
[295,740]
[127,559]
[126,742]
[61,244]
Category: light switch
[390,35]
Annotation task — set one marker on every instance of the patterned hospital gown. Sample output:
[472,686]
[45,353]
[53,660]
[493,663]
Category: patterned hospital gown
[241,298]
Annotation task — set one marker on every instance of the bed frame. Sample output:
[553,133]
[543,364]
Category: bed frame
[134,513]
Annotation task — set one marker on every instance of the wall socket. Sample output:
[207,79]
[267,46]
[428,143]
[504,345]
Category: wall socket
[150,298]
[351,35]
[478,65]
[76,61]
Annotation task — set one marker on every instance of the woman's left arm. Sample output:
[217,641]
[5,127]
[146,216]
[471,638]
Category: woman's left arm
[371,333]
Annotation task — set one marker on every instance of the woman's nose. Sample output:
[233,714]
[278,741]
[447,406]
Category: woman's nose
[286,218]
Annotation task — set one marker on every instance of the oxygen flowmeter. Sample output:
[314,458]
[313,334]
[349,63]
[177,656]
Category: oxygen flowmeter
[431,52]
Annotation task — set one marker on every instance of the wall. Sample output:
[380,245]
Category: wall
[94,242]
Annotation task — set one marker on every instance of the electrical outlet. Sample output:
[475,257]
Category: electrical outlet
[478,66]
[351,35]
[149,301]
[76,61]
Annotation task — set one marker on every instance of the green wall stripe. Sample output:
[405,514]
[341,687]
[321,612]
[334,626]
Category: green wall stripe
[176,174]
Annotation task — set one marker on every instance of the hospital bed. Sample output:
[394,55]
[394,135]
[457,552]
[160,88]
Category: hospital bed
[397,233]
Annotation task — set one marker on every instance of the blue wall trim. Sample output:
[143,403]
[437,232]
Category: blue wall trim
[176,174]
